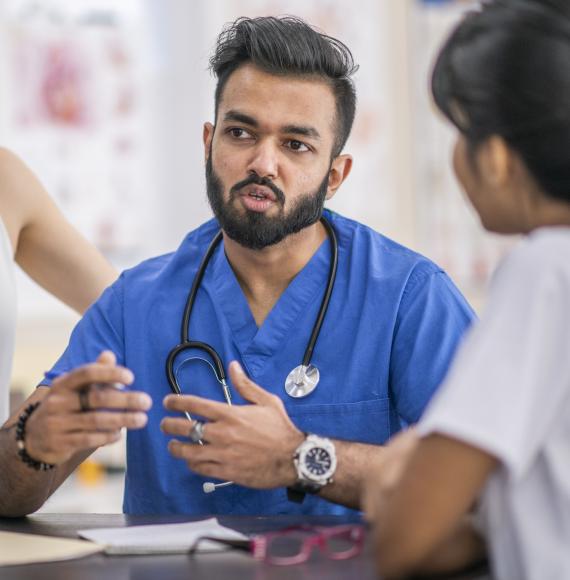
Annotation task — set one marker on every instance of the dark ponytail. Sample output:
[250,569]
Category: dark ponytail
[505,71]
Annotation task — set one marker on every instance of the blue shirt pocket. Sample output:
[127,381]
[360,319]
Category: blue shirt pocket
[363,421]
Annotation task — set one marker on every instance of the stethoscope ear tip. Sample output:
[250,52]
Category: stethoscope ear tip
[208,487]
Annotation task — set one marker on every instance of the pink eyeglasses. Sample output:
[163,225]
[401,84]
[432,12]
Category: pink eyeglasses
[295,545]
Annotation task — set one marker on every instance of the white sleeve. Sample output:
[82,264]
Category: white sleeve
[512,373]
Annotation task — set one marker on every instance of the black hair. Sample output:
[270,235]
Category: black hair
[289,46]
[505,71]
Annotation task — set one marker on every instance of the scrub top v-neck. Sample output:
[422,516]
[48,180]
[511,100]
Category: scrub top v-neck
[257,344]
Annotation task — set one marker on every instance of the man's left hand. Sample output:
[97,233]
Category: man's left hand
[252,445]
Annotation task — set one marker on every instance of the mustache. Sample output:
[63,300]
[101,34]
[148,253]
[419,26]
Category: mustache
[256,180]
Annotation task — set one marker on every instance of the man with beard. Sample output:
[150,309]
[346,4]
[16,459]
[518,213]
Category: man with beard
[285,105]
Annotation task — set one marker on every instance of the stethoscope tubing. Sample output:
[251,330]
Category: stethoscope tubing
[327,295]
[186,343]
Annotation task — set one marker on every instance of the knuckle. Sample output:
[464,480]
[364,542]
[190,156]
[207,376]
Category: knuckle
[96,398]
[51,402]
[169,423]
[98,420]
[177,427]
[50,424]
[112,436]
[186,452]
[276,401]
[56,399]
[132,400]
[59,400]
[83,374]
[130,420]
[231,434]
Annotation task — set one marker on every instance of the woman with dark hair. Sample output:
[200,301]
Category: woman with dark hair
[487,470]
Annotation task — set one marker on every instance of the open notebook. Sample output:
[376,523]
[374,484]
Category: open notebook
[162,539]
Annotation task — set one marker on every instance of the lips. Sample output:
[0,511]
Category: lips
[258,192]
[257,198]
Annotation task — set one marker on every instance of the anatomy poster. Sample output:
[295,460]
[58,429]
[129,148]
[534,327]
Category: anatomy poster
[75,109]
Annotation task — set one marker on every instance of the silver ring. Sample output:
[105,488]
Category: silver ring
[84,405]
[196,432]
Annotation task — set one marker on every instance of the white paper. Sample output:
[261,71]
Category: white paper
[161,539]
[18,548]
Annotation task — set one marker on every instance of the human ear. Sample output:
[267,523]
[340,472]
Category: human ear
[496,161]
[207,136]
[339,171]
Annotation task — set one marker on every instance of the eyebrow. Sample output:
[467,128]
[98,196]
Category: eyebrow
[300,130]
[240,118]
[305,131]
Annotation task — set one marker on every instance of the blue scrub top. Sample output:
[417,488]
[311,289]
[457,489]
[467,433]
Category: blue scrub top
[393,324]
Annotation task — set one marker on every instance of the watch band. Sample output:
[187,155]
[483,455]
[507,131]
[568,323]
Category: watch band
[297,492]
[295,495]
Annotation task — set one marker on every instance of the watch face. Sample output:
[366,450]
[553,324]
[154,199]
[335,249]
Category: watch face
[318,461]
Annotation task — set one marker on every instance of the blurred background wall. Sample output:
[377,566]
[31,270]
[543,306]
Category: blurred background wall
[105,101]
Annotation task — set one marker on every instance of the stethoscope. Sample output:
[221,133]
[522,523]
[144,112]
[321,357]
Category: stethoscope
[300,382]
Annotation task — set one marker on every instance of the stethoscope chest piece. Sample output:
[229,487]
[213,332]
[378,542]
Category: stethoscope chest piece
[302,381]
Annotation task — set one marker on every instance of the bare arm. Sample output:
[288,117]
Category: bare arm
[421,522]
[45,244]
[355,461]
[59,432]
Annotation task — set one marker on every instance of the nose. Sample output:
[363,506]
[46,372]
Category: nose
[264,161]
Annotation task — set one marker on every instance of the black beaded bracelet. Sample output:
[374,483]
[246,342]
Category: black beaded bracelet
[20,436]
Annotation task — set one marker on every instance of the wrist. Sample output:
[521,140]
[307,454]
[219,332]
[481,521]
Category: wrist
[21,442]
[287,463]
[315,464]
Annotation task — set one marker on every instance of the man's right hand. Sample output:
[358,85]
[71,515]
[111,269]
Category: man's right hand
[59,428]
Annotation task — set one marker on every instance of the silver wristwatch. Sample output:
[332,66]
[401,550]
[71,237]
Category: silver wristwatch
[315,462]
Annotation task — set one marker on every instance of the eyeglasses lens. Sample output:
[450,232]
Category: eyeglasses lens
[288,545]
[343,544]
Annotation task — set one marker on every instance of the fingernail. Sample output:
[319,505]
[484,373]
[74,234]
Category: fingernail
[237,367]
[145,401]
[140,420]
[128,377]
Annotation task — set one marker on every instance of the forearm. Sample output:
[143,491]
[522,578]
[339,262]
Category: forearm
[421,521]
[462,549]
[45,244]
[22,490]
[355,461]
[50,246]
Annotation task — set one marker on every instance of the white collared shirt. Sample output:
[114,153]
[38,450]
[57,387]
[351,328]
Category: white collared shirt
[508,393]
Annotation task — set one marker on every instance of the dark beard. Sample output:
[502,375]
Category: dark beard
[254,230]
